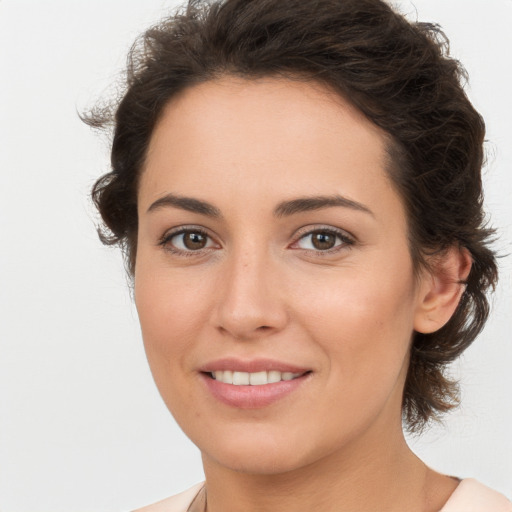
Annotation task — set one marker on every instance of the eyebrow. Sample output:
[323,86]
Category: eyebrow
[307,204]
[283,209]
[189,204]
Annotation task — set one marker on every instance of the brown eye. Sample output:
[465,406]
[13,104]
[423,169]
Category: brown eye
[322,240]
[194,241]
[187,240]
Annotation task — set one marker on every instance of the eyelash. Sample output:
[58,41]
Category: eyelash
[168,236]
[346,240]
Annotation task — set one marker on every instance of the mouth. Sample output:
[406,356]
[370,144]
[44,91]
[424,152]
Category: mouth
[261,378]
[253,384]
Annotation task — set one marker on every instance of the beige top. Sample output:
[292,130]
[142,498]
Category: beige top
[472,496]
[469,496]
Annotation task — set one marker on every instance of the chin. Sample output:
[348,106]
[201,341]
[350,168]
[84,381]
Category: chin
[258,451]
[255,460]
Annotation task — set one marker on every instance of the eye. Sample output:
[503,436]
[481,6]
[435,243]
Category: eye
[323,240]
[187,240]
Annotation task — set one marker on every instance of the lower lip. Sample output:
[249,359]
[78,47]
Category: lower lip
[252,397]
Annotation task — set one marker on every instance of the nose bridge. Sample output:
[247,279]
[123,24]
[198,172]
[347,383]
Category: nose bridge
[250,301]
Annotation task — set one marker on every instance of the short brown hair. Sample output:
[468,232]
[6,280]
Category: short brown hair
[399,74]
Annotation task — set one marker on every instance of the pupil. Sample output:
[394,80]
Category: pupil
[323,241]
[194,241]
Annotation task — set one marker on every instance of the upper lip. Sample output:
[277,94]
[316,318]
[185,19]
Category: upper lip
[251,366]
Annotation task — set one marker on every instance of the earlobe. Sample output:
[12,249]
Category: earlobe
[441,289]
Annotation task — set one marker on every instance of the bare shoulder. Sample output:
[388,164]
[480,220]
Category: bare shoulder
[177,503]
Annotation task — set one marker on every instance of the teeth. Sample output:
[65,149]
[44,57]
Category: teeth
[226,376]
[240,378]
[253,379]
[274,376]
[257,379]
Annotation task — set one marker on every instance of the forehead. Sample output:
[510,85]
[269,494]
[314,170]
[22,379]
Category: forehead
[274,136]
[262,108]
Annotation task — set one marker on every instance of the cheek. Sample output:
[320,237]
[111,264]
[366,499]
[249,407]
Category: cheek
[169,330]
[365,298]
[170,315]
[363,321]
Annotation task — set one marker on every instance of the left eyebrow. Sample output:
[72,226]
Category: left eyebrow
[306,204]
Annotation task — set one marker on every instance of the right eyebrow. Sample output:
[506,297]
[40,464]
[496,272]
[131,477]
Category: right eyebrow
[189,204]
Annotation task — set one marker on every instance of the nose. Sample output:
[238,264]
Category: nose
[251,298]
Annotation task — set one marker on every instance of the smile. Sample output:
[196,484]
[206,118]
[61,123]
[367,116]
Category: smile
[252,384]
[261,378]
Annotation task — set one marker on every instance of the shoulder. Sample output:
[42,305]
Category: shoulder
[177,503]
[472,496]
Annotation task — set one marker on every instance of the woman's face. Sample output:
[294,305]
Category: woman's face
[273,246]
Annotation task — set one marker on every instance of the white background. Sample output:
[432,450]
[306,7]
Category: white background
[82,427]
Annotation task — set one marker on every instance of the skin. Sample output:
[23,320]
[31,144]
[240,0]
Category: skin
[260,288]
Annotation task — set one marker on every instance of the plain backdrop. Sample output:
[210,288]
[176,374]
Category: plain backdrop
[82,427]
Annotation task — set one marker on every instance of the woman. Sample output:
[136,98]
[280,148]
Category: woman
[297,189]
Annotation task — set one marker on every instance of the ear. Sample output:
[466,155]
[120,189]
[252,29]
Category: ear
[441,288]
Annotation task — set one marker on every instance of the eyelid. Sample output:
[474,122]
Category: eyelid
[347,238]
[165,239]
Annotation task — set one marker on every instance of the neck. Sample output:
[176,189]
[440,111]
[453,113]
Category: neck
[384,476]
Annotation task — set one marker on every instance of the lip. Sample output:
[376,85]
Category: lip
[251,366]
[252,397]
